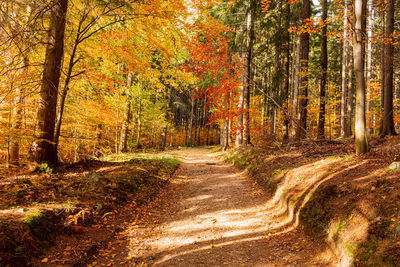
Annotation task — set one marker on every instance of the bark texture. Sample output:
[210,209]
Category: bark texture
[43,148]
[301,131]
[324,67]
[387,122]
[358,54]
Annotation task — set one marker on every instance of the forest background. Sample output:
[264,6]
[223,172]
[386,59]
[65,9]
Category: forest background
[82,79]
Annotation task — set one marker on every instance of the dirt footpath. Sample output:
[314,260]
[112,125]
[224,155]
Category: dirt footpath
[211,215]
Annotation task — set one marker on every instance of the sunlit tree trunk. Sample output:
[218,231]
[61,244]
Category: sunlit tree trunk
[387,122]
[301,130]
[191,122]
[370,28]
[17,112]
[358,55]
[344,116]
[226,128]
[324,66]
[139,115]
[243,122]
[127,116]
[16,124]
[167,117]
[349,96]
[296,78]
[43,148]
[72,62]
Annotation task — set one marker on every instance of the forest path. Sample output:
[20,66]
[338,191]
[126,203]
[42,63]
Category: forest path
[212,215]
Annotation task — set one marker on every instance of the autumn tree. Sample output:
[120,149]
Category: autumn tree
[324,66]
[301,131]
[43,148]
[358,54]
[387,121]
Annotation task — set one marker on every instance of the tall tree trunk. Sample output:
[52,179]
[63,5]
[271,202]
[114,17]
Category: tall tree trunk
[139,125]
[225,133]
[382,75]
[139,115]
[358,54]
[344,116]
[17,115]
[243,122]
[43,148]
[17,112]
[370,28]
[286,88]
[68,77]
[324,66]
[127,112]
[167,116]
[350,96]
[296,78]
[301,130]
[388,123]
[191,122]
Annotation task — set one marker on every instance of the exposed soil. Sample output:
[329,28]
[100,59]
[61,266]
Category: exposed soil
[309,204]
[211,215]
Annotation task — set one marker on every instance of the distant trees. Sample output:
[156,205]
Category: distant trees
[98,77]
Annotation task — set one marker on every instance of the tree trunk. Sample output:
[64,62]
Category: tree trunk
[17,115]
[350,96]
[191,123]
[127,112]
[243,122]
[344,116]
[358,54]
[17,112]
[388,123]
[167,116]
[370,29]
[225,131]
[287,76]
[324,66]
[382,76]
[68,78]
[301,131]
[43,148]
[296,78]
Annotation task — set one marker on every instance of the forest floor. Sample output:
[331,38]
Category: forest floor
[211,214]
[304,204]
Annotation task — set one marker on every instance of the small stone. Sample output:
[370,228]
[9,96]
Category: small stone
[395,166]
[22,210]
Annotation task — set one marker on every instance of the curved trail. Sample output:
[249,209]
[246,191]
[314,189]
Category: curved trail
[219,218]
[213,215]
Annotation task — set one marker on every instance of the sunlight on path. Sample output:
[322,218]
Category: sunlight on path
[222,219]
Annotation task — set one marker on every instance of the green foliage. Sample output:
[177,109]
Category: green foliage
[45,168]
[40,226]
[315,219]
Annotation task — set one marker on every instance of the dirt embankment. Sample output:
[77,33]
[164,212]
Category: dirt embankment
[350,203]
[71,206]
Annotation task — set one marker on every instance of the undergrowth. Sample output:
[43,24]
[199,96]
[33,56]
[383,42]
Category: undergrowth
[79,195]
